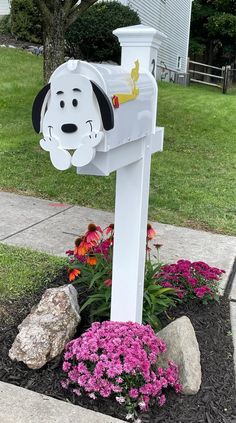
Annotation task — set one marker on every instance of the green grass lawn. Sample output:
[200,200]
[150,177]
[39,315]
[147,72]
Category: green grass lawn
[24,271]
[192,181]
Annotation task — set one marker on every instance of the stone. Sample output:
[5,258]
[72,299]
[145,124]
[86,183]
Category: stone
[183,349]
[35,50]
[45,331]
[32,49]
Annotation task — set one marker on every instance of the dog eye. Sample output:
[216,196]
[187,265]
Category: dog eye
[75,102]
[62,104]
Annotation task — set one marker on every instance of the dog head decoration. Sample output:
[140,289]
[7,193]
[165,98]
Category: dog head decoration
[72,113]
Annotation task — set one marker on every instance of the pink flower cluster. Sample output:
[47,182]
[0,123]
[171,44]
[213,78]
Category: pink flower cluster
[191,280]
[119,360]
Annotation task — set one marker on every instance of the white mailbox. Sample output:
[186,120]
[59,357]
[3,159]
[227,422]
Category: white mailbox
[102,118]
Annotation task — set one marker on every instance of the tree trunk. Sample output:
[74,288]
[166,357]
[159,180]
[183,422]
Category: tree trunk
[54,43]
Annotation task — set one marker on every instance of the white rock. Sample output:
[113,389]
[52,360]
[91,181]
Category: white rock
[183,349]
[45,331]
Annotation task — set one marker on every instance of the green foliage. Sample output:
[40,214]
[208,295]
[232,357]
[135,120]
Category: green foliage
[213,26]
[157,299]
[91,38]
[26,21]
[5,25]
[93,271]
[223,24]
[92,278]
[196,48]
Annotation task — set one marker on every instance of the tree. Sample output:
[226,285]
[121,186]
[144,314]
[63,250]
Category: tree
[91,36]
[57,16]
[213,31]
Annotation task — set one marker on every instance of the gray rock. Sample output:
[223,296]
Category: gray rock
[35,50]
[183,349]
[32,49]
[11,46]
[45,331]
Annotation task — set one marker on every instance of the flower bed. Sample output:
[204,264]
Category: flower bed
[215,402]
[112,363]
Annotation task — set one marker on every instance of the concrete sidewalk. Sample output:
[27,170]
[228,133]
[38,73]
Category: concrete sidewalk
[18,405]
[52,227]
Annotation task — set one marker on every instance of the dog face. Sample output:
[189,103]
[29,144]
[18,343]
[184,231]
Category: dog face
[72,113]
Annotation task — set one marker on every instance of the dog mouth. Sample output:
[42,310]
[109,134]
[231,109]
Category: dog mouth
[69,128]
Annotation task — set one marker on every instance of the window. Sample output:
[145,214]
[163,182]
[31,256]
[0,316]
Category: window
[179,62]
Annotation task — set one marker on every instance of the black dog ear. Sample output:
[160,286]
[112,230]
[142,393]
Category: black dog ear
[105,107]
[37,107]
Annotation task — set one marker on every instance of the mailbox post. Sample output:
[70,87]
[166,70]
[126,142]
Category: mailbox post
[101,118]
[132,192]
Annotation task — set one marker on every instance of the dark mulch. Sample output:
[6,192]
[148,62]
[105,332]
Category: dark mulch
[215,403]
[8,39]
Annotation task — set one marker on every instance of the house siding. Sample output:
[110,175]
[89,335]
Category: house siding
[172,17]
[4,7]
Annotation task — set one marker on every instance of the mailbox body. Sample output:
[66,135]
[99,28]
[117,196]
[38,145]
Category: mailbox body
[133,119]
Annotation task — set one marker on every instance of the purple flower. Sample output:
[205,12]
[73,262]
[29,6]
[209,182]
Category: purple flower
[162,400]
[119,360]
[203,290]
[190,280]
[133,393]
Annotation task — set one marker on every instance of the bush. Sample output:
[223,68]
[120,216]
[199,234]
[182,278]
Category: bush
[26,22]
[119,360]
[90,37]
[5,25]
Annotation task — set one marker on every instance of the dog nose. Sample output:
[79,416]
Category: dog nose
[69,128]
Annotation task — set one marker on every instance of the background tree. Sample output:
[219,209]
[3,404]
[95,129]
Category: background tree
[213,31]
[57,16]
[90,37]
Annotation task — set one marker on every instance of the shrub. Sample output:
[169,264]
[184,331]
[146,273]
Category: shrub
[119,360]
[91,266]
[26,22]
[5,25]
[90,37]
[191,280]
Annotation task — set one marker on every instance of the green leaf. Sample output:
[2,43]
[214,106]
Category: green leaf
[147,298]
[91,300]
[107,294]
[99,311]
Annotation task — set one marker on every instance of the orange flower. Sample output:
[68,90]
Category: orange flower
[151,233]
[82,249]
[73,274]
[92,260]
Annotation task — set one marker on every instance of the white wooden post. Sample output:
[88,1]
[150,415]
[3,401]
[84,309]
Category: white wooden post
[132,192]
